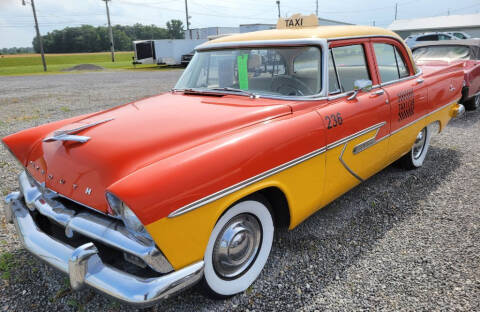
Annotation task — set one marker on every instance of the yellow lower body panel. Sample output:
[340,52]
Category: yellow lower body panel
[307,186]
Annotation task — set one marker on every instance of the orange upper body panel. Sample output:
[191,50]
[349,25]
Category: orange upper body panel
[167,151]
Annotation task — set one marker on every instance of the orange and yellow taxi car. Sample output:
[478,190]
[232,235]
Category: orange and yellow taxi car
[262,130]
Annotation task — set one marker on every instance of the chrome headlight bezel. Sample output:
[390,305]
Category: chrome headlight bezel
[124,213]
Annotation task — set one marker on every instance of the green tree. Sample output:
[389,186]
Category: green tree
[87,38]
[175,29]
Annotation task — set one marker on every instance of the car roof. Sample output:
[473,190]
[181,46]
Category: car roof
[323,32]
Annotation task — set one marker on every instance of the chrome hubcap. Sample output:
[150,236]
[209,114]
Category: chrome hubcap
[477,101]
[419,144]
[237,245]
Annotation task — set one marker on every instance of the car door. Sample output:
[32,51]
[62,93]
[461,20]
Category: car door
[356,125]
[407,95]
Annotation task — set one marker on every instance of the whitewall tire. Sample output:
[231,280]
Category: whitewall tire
[415,158]
[238,248]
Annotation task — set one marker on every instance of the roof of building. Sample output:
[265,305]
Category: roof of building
[326,32]
[438,22]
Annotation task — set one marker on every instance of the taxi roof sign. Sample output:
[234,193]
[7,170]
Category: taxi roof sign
[297,21]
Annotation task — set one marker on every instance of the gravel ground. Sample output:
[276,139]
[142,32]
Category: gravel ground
[403,240]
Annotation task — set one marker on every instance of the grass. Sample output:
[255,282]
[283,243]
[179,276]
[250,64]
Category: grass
[32,63]
[7,263]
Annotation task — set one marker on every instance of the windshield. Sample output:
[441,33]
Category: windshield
[292,71]
[441,53]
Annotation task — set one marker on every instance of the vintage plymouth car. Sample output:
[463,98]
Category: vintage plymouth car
[262,130]
[466,52]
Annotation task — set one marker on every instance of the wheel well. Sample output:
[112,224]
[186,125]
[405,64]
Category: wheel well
[279,205]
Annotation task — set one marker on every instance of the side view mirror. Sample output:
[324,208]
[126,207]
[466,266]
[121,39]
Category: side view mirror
[364,85]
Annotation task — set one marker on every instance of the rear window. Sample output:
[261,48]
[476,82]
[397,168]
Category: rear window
[428,38]
[442,53]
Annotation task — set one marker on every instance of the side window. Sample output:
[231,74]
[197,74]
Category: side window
[390,62]
[351,65]
[402,66]
[443,37]
[307,69]
[333,86]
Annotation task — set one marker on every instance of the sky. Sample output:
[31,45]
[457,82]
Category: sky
[17,25]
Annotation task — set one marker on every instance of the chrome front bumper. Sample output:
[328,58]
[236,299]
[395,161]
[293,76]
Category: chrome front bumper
[84,266]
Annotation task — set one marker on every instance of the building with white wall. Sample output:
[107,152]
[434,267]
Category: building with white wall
[468,23]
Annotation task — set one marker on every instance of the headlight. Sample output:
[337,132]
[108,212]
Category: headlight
[125,213]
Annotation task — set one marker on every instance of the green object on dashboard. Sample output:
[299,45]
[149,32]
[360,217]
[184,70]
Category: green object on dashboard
[242,65]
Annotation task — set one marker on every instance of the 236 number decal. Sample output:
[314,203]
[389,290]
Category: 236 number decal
[334,120]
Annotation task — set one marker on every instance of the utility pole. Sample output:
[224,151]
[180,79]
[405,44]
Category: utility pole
[396,10]
[40,41]
[316,10]
[448,12]
[278,5]
[373,23]
[188,19]
[110,32]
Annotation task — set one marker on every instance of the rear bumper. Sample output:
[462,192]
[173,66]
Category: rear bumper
[458,111]
[84,266]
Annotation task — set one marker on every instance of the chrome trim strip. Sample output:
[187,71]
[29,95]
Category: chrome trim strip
[210,198]
[106,230]
[229,190]
[67,135]
[85,267]
[355,135]
[347,167]
[366,144]
[245,183]
[423,117]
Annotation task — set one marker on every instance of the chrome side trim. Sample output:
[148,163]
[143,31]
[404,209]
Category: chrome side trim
[355,135]
[245,183]
[424,116]
[84,266]
[210,198]
[347,167]
[108,231]
[366,144]
[229,190]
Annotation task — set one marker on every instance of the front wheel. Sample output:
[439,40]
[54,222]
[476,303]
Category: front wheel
[415,158]
[238,248]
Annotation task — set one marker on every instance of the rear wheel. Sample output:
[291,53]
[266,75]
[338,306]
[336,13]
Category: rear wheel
[238,248]
[473,103]
[415,158]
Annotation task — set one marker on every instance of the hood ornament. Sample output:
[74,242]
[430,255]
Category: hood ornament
[68,135]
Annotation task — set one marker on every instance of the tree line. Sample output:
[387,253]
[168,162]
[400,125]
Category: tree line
[16,50]
[87,38]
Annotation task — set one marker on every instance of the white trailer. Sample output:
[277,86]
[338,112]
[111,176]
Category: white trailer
[164,51]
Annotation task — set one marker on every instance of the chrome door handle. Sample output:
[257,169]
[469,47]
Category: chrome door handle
[420,80]
[452,88]
[377,93]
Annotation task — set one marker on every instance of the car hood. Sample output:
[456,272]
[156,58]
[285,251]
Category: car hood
[135,135]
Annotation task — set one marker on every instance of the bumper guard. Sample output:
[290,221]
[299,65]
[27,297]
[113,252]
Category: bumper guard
[84,266]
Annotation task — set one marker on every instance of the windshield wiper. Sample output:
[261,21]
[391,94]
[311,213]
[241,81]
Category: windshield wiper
[250,94]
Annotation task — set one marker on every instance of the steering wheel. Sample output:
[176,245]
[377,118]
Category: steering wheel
[289,85]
